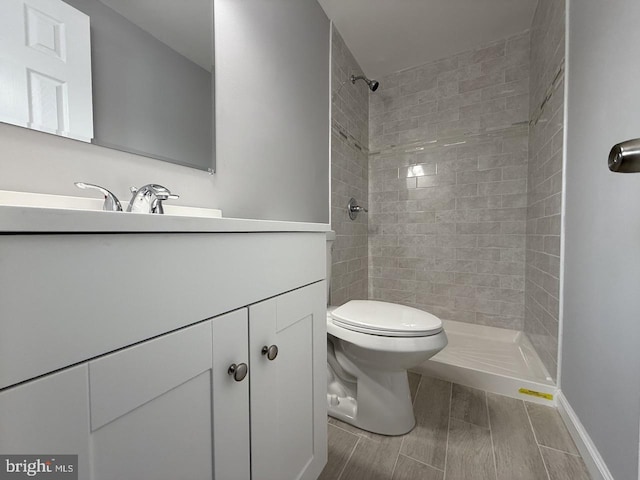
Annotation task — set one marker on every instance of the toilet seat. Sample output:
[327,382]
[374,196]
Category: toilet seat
[385,319]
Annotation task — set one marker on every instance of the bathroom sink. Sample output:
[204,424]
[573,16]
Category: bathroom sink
[64,202]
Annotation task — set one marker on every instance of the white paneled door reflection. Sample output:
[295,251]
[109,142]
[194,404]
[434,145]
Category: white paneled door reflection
[45,77]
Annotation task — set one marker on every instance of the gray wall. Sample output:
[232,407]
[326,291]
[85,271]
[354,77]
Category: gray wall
[274,163]
[147,98]
[450,239]
[349,174]
[272,109]
[601,319]
[544,196]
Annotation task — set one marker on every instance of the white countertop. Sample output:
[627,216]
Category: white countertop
[30,218]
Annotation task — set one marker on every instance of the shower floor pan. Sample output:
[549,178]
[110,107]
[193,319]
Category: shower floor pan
[493,359]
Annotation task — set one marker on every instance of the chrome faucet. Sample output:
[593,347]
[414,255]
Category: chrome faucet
[111,202]
[148,199]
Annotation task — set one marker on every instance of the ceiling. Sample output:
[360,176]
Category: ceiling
[390,35]
[186,27]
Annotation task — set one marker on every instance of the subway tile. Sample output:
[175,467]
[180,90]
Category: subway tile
[446,178]
[481,280]
[451,265]
[490,52]
[504,119]
[481,82]
[499,321]
[487,162]
[502,215]
[494,175]
[454,290]
[517,200]
[417,170]
[503,187]
[501,268]
[458,127]
[435,277]
[479,202]
[518,72]
[454,102]
[508,228]
[500,294]
[508,89]
[502,241]
[490,228]
[514,172]
[477,305]
[513,282]
[478,254]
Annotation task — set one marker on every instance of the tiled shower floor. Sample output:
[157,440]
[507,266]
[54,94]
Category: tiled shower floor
[461,434]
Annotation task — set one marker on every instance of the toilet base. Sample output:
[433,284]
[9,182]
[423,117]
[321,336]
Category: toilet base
[382,404]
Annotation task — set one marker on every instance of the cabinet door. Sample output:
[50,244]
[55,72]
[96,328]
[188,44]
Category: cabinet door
[151,409]
[48,416]
[230,397]
[288,393]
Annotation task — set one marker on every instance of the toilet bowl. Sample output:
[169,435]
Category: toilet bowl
[370,346]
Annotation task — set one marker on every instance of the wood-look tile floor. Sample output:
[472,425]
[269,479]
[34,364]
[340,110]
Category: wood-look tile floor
[461,434]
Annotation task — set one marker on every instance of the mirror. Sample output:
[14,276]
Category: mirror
[132,75]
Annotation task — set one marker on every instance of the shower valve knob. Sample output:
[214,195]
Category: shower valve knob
[270,352]
[239,371]
[353,209]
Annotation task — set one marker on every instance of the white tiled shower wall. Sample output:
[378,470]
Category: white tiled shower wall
[447,220]
[545,181]
[456,228]
[349,175]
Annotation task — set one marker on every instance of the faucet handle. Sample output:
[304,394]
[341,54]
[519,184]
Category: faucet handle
[158,190]
[111,202]
[162,194]
[151,196]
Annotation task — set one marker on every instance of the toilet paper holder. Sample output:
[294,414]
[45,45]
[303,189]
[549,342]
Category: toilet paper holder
[625,157]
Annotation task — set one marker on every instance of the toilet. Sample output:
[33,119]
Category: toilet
[370,347]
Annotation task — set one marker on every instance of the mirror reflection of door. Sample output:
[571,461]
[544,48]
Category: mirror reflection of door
[45,68]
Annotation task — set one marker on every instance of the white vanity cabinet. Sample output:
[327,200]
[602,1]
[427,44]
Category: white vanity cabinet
[169,407]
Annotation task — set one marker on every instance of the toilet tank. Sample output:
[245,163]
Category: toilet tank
[331,236]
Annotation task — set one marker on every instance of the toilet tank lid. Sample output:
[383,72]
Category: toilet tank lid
[386,317]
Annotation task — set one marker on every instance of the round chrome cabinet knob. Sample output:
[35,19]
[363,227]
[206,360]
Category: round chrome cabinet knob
[238,371]
[271,352]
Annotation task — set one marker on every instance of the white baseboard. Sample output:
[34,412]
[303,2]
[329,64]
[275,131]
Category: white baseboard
[592,459]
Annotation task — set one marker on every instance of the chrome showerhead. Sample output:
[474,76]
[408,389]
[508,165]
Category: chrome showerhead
[373,84]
